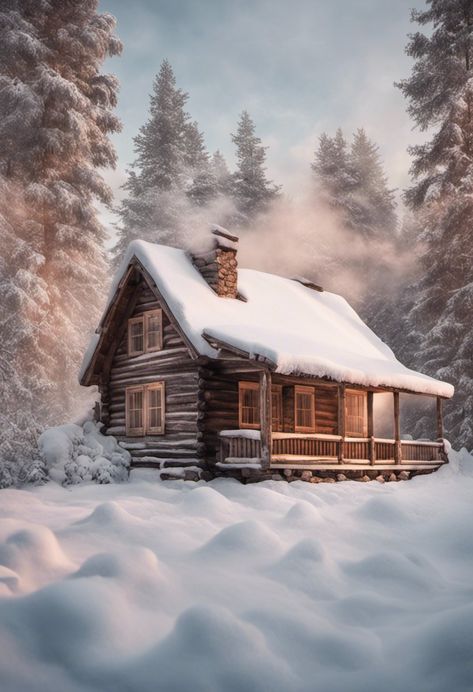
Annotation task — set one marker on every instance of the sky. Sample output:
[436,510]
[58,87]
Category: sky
[300,68]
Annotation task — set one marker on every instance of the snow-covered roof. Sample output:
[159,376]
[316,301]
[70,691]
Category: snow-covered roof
[302,331]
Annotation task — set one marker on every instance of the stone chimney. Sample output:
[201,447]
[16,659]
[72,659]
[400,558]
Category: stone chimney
[218,263]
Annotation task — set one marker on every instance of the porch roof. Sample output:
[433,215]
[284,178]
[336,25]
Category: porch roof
[299,330]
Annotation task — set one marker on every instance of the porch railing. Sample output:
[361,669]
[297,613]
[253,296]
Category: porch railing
[237,445]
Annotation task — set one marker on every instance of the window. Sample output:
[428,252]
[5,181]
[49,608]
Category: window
[154,330]
[154,408]
[304,405]
[145,409]
[356,423]
[135,411]
[276,407]
[249,408]
[135,336]
[145,333]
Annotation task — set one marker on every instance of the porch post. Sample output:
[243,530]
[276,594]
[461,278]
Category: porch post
[265,417]
[341,422]
[372,447]
[397,430]
[439,418]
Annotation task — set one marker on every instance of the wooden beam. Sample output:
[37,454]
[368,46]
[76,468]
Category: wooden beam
[439,419]
[341,421]
[370,429]
[397,429]
[222,345]
[265,417]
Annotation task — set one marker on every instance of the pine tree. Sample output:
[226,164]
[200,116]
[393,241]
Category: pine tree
[334,175]
[440,96]
[202,185]
[373,205]
[221,174]
[55,118]
[352,181]
[252,191]
[160,145]
[170,174]
[23,304]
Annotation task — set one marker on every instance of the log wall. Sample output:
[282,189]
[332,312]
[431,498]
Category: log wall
[181,444]
[218,398]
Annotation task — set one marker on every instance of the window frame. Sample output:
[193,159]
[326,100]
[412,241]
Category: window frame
[304,389]
[147,318]
[146,429]
[154,430]
[134,432]
[144,320]
[131,322]
[242,386]
[357,393]
[276,390]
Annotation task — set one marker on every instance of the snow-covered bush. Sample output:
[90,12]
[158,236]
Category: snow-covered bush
[74,454]
[21,471]
[19,463]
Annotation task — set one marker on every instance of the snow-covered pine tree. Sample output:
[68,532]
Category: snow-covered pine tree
[55,118]
[387,308]
[160,145]
[221,174]
[440,95]
[24,382]
[252,191]
[171,171]
[353,182]
[373,206]
[202,186]
[334,175]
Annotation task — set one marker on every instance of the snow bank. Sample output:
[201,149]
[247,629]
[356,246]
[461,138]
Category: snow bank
[301,330]
[285,587]
[74,454]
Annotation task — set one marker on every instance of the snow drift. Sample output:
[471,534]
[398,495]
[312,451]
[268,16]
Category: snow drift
[269,587]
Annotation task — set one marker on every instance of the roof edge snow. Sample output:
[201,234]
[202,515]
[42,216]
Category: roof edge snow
[286,325]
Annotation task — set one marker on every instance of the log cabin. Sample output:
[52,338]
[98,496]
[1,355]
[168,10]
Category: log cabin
[207,369]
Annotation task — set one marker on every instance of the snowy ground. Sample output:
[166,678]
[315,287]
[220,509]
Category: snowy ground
[222,587]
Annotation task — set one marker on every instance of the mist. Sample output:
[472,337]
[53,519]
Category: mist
[302,236]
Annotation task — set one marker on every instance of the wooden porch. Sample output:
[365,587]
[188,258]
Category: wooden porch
[269,449]
[329,452]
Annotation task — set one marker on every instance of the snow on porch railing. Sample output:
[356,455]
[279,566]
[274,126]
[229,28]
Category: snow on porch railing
[246,444]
